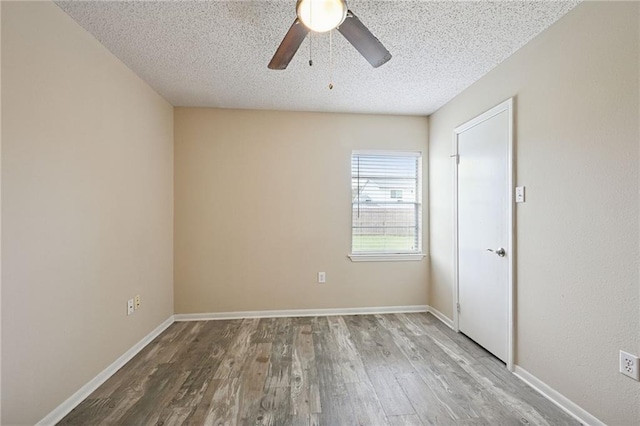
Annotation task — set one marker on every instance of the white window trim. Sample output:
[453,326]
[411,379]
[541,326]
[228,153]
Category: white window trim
[386,153]
[386,257]
[391,257]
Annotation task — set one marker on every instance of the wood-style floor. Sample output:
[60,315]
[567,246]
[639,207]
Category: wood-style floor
[403,369]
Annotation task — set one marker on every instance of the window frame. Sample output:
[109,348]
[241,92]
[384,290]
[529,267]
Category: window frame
[391,256]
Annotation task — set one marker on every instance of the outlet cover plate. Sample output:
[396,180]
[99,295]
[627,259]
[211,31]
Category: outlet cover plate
[129,306]
[629,365]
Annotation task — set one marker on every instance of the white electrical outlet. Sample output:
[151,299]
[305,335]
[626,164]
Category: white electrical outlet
[129,306]
[136,301]
[519,194]
[322,277]
[629,365]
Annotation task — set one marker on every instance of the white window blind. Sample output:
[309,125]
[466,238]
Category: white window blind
[386,203]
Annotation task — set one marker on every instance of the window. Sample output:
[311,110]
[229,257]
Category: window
[386,205]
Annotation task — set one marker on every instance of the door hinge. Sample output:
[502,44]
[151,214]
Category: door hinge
[457,156]
[458,307]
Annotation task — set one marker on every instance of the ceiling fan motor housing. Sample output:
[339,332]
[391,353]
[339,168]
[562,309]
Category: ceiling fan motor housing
[321,15]
[344,20]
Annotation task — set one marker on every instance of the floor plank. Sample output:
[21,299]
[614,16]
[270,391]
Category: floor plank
[452,385]
[396,369]
[305,395]
[334,397]
[412,420]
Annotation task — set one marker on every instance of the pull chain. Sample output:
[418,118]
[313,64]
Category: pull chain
[330,60]
[310,60]
[310,36]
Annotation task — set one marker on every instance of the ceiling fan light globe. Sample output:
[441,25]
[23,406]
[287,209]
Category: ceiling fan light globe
[321,15]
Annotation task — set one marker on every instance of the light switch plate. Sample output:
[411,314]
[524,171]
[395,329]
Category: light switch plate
[519,194]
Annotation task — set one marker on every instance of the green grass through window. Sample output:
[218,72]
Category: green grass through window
[383,243]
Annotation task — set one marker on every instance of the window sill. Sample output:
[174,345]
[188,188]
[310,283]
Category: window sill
[386,257]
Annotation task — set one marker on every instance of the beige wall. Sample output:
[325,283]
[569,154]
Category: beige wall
[263,204]
[577,133]
[87,181]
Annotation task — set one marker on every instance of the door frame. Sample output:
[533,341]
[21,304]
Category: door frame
[510,243]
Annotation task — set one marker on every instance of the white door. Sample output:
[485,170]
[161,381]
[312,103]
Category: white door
[484,230]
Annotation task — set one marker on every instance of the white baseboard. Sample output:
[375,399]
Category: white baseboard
[570,407]
[300,313]
[442,317]
[72,402]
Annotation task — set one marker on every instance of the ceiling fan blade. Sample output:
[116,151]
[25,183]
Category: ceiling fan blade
[289,46]
[366,43]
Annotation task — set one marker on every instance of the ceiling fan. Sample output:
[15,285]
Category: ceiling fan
[325,15]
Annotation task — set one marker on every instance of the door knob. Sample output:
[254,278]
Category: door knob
[500,252]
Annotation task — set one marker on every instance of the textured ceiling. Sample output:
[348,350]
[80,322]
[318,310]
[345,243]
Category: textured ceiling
[215,53]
